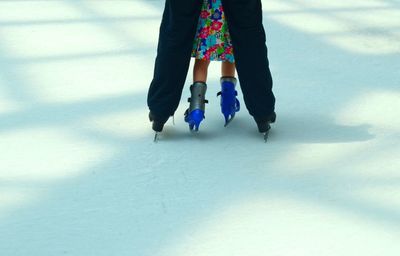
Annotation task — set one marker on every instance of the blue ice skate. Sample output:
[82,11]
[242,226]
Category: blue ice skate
[229,103]
[194,115]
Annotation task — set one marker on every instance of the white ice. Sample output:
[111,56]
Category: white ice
[80,174]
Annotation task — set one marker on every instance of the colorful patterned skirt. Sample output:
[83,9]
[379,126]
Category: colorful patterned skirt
[213,41]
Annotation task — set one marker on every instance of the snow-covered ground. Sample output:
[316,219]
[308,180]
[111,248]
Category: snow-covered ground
[80,175]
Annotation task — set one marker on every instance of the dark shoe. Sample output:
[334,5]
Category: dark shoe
[263,124]
[158,122]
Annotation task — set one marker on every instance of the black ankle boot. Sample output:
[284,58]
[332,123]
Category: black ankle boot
[158,122]
[263,124]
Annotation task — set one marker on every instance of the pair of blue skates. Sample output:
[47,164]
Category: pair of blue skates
[194,115]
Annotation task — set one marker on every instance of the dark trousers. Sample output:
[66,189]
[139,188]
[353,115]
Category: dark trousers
[177,32]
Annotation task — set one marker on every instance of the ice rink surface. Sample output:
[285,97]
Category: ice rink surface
[80,175]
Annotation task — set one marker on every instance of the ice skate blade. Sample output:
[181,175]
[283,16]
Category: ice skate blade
[228,120]
[155,137]
[194,131]
[193,128]
[266,135]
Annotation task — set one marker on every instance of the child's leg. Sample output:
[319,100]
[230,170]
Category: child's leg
[200,70]
[228,69]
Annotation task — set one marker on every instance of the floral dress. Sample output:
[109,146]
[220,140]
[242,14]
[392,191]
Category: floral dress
[213,41]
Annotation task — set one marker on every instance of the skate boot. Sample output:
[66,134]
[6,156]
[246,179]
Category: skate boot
[158,124]
[195,113]
[264,125]
[229,103]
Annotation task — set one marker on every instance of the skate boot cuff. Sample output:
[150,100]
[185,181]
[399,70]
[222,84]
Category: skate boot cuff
[228,79]
[197,99]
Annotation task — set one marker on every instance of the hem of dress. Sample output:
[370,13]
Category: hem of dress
[213,59]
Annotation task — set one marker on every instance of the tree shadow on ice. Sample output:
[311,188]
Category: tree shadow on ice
[318,129]
[147,197]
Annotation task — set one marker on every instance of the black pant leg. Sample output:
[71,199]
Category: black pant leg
[245,23]
[177,32]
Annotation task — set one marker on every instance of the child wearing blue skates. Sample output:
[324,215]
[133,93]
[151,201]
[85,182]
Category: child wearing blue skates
[212,43]
[227,30]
